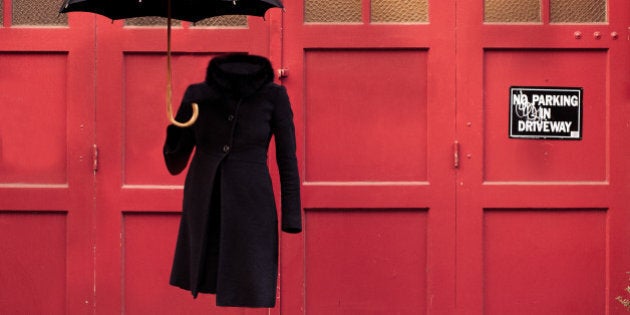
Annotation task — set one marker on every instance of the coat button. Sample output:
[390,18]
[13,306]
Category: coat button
[230,117]
[226,148]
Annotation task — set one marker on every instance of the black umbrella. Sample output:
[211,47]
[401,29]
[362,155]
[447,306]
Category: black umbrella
[186,10]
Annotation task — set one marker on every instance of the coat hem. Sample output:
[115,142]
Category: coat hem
[195,294]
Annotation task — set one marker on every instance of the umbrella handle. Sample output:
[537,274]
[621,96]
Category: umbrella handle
[190,122]
[169,83]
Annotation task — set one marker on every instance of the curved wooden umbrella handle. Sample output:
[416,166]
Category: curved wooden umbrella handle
[169,83]
[190,122]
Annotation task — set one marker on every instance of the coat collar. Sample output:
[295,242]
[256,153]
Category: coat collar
[239,74]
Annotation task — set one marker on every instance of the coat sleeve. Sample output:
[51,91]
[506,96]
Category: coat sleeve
[179,141]
[284,134]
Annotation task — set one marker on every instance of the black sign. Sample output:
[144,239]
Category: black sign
[546,112]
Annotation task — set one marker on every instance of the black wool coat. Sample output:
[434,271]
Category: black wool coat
[227,242]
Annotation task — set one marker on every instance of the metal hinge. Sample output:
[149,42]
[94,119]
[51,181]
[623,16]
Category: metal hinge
[95,158]
[456,154]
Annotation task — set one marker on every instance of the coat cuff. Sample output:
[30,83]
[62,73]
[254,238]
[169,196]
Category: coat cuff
[292,226]
[292,230]
[292,223]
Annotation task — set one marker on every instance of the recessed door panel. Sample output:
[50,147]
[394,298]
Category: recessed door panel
[33,264]
[366,115]
[532,263]
[545,160]
[33,133]
[353,256]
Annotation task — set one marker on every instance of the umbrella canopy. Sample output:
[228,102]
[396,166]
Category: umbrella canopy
[186,10]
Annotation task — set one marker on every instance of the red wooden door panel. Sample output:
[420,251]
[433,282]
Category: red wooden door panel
[46,204]
[373,93]
[539,221]
[535,258]
[351,269]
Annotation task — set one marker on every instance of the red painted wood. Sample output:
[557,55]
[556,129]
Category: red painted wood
[362,261]
[46,179]
[540,261]
[374,106]
[538,220]
[370,129]
[391,225]
[23,73]
[33,264]
[543,161]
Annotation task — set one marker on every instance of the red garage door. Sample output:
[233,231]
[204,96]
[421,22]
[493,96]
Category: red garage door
[542,223]
[417,199]
[374,91]
[432,179]
[46,179]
